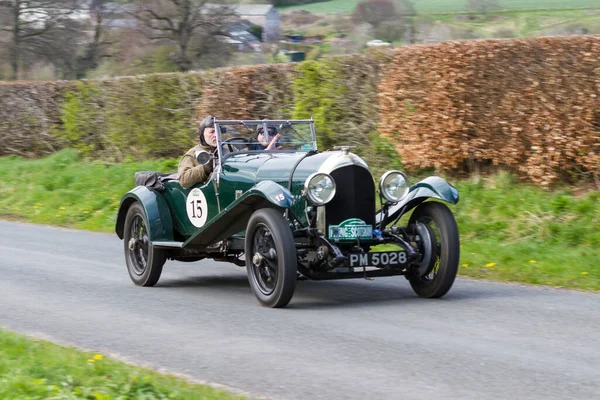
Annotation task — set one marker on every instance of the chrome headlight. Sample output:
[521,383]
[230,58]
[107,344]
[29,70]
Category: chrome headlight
[319,188]
[394,186]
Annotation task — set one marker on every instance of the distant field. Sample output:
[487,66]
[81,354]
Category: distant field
[450,6]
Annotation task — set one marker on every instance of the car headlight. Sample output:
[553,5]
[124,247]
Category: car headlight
[319,188]
[394,186]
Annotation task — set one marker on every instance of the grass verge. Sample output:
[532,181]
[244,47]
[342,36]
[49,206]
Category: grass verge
[509,231]
[34,369]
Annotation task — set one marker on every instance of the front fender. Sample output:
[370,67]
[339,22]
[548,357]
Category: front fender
[234,218]
[432,187]
[160,224]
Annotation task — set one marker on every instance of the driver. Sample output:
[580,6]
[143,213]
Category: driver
[190,172]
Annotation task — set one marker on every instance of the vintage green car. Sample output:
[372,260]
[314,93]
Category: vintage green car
[292,213]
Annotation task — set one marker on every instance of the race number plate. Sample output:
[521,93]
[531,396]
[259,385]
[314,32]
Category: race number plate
[379,259]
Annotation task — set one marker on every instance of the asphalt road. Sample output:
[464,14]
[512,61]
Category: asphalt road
[352,339]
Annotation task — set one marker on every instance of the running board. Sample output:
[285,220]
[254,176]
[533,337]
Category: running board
[176,245]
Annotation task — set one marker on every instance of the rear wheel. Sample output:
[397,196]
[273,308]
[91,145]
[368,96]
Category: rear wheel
[435,277]
[271,258]
[144,262]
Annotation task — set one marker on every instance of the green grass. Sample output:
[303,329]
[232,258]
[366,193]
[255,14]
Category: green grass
[34,369]
[448,6]
[530,234]
[64,190]
[522,23]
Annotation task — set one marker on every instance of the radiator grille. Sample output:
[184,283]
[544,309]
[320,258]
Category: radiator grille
[354,197]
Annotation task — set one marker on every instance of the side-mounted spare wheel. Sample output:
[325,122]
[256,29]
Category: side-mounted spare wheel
[271,258]
[439,233]
[144,262]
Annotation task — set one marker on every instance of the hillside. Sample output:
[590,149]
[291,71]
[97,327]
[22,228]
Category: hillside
[450,6]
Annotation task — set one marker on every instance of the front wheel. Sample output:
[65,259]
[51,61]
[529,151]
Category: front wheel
[443,244]
[144,262]
[271,258]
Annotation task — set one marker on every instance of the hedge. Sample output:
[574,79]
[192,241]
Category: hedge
[530,106]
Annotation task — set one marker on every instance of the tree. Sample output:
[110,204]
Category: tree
[100,12]
[178,21]
[483,6]
[31,23]
[375,12]
[392,19]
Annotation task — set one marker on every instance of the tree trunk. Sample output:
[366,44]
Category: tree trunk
[15,52]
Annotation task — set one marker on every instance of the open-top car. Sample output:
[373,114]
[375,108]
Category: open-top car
[291,213]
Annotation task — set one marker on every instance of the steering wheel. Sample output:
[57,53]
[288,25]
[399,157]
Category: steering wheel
[235,144]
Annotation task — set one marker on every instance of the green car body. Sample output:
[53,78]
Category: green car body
[210,220]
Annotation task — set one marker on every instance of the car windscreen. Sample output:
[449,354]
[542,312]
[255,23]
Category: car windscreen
[252,137]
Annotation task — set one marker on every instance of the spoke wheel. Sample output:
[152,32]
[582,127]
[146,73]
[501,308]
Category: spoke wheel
[264,260]
[271,258]
[144,262]
[441,240]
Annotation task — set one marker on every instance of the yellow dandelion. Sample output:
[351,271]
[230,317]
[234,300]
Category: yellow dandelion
[490,265]
[532,261]
[465,265]
[62,208]
[98,357]
[584,273]
[91,361]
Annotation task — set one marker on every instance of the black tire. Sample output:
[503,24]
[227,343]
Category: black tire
[440,276]
[144,262]
[271,260]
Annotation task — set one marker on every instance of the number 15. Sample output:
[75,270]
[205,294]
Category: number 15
[196,206]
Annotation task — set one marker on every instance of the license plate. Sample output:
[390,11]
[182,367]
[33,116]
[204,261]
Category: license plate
[351,229]
[378,259]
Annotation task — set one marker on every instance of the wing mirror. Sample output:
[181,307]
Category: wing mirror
[203,157]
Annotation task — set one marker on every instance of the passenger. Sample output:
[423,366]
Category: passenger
[190,172]
[261,140]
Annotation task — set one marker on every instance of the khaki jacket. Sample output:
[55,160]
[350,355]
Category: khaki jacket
[190,172]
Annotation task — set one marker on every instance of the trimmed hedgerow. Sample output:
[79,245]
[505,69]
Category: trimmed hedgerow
[531,106]
[340,93]
[29,114]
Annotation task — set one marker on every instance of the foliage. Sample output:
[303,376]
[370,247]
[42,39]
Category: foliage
[339,93]
[374,12]
[390,31]
[29,116]
[451,107]
[81,117]
[35,369]
[179,21]
[42,29]
[254,92]
[148,116]
[528,105]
